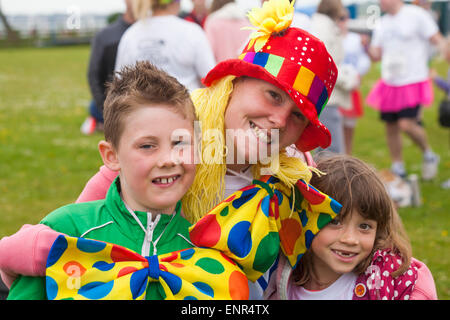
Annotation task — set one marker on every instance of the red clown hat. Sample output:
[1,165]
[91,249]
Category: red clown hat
[296,62]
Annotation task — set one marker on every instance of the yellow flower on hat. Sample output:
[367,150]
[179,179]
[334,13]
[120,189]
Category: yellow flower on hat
[275,16]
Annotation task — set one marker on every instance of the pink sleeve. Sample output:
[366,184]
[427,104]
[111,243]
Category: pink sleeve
[25,252]
[309,159]
[424,289]
[292,151]
[97,187]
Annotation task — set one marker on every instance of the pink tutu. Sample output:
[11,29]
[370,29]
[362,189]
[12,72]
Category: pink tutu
[387,98]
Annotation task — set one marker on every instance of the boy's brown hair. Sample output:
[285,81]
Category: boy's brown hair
[142,85]
[357,187]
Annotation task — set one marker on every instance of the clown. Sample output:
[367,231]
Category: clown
[280,82]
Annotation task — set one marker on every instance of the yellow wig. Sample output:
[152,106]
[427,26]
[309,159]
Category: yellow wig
[208,187]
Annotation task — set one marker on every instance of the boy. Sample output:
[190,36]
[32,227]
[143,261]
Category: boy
[141,212]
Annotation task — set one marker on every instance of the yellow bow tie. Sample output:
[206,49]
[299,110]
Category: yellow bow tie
[249,227]
[80,268]
[252,223]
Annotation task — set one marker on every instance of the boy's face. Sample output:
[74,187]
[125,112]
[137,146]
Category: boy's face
[341,245]
[155,159]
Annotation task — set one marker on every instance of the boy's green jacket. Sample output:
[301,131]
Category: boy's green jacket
[109,220]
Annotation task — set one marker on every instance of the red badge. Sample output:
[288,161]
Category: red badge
[360,290]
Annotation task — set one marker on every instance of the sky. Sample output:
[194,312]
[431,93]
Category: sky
[12,7]
[60,6]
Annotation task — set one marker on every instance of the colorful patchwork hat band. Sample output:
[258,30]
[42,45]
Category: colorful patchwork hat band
[290,58]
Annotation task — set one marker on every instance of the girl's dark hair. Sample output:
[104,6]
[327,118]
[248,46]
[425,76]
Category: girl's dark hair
[357,187]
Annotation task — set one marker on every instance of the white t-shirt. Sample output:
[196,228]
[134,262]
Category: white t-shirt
[354,53]
[341,289]
[176,46]
[234,183]
[404,39]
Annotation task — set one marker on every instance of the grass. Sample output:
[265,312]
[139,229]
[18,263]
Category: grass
[45,161]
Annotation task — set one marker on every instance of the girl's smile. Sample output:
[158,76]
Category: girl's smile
[344,256]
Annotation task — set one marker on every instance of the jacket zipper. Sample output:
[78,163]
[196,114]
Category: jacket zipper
[151,225]
[148,233]
[148,239]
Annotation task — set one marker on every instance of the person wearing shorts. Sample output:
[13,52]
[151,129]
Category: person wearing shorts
[401,41]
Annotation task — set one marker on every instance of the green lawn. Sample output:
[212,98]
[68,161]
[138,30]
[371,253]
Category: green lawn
[45,161]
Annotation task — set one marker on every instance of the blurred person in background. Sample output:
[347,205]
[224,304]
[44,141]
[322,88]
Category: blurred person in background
[167,41]
[223,29]
[325,26]
[426,5]
[198,14]
[401,40]
[101,66]
[444,85]
[355,57]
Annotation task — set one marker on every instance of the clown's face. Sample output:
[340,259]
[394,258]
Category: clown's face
[263,113]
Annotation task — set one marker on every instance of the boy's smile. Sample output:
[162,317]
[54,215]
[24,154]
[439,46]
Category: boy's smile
[166,181]
[156,166]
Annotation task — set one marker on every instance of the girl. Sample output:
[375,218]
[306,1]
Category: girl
[277,87]
[363,254]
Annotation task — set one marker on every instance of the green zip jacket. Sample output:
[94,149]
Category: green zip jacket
[109,220]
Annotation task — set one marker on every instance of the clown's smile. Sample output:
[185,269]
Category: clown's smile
[263,135]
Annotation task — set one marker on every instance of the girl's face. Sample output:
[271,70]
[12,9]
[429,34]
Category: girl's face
[341,245]
[255,110]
